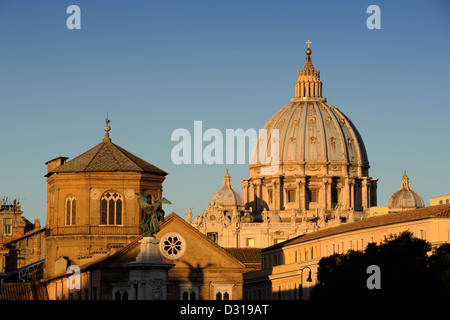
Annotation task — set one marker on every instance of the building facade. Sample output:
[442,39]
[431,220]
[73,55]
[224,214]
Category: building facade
[286,266]
[13,226]
[12,222]
[440,200]
[26,257]
[91,204]
[200,270]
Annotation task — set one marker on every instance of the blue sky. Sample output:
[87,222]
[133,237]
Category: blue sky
[161,65]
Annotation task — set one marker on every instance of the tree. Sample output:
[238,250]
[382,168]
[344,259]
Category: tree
[406,270]
[440,269]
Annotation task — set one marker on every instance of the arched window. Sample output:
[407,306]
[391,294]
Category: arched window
[111,208]
[71,206]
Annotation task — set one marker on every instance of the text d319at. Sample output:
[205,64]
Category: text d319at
[228,309]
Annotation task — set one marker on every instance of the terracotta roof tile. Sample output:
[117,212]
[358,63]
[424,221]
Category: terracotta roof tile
[23,291]
[246,255]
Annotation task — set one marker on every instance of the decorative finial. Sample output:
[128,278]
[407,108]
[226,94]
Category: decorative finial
[107,128]
[308,51]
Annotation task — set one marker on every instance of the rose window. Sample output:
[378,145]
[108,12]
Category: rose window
[172,245]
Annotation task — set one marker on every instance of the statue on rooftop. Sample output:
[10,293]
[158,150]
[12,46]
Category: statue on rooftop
[153,214]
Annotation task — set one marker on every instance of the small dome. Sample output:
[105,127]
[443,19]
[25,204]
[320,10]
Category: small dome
[227,196]
[275,218]
[405,198]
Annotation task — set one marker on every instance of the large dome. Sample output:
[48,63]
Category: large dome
[316,131]
[405,198]
[309,157]
[312,132]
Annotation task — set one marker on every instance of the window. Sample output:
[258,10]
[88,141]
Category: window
[441,202]
[422,234]
[7,226]
[121,295]
[111,208]
[291,195]
[313,196]
[334,195]
[250,242]
[270,195]
[214,236]
[223,291]
[447,200]
[71,205]
[172,245]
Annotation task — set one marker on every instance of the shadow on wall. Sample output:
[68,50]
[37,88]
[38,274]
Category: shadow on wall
[196,279]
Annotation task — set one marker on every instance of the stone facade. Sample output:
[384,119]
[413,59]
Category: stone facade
[440,200]
[198,269]
[12,222]
[282,274]
[26,250]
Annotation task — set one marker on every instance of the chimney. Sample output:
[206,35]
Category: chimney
[55,163]
[37,223]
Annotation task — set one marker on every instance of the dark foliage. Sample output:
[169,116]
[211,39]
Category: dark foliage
[406,271]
